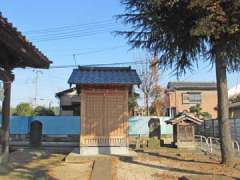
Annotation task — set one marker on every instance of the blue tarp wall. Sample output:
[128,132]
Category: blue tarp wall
[52,125]
[62,125]
[138,125]
[59,124]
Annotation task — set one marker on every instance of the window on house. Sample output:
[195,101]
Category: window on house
[191,98]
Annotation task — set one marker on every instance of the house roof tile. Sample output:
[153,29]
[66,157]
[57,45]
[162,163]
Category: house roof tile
[192,85]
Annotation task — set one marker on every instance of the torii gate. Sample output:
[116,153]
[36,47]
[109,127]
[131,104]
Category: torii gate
[15,52]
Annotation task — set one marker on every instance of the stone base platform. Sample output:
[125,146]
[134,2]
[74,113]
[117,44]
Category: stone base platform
[83,154]
[186,145]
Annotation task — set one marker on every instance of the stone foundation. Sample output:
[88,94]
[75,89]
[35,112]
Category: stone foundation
[95,150]
[83,154]
[188,145]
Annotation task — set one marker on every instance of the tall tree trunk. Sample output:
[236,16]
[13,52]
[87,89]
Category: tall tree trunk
[223,113]
[147,104]
[5,123]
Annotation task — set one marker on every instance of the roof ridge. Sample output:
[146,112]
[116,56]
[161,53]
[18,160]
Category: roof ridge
[192,82]
[103,68]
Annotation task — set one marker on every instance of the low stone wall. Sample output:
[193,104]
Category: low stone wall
[25,138]
[19,137]
[143,140]
[60,138]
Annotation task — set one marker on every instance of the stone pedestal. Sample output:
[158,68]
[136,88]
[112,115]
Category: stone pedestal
[188,145]
[153,143]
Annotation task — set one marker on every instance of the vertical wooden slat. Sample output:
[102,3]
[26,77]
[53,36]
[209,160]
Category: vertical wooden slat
[82,125]
[126,115]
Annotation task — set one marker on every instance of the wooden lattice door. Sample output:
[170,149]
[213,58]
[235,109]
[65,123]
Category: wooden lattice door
[185,133]
[104,119]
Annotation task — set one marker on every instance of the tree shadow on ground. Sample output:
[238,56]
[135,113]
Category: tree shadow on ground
[24,164]
[172,169]
[178,158]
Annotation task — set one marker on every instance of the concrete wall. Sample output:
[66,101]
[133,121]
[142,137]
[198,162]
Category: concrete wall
[138,125]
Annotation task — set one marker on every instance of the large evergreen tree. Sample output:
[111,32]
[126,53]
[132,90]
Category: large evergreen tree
[183,32]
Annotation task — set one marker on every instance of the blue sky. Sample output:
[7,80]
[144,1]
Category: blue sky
[96,44]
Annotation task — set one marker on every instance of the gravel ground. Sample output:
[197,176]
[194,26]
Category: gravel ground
[173,164]
[163,163]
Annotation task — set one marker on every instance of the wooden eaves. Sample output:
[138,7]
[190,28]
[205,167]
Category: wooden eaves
[15,52]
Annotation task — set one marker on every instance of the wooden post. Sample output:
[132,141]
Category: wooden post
[204,127]
[235,130]
[213,127]
[5,122]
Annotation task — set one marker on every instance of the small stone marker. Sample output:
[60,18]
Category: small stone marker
[138,143]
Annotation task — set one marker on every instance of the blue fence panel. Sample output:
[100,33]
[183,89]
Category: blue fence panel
[62,125]
[59,125]
[18,124]
[138,125]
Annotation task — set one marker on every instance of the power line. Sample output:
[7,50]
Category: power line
[75,35]
[66,27]
[96,65]
[97,51]
[76,53]
[72,31]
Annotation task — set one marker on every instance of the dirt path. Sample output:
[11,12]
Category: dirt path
[102,170]
[71,171]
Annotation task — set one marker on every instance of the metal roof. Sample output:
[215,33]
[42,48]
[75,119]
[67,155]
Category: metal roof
[65,91]
[234,105]
[104,75]
[192,85]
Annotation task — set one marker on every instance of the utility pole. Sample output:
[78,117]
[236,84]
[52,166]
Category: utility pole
[154,68]
[38,72]
[74,59]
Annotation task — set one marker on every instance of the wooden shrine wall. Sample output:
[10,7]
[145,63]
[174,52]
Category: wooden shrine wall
[104,116]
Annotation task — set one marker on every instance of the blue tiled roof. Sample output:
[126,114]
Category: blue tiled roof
[104,75]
